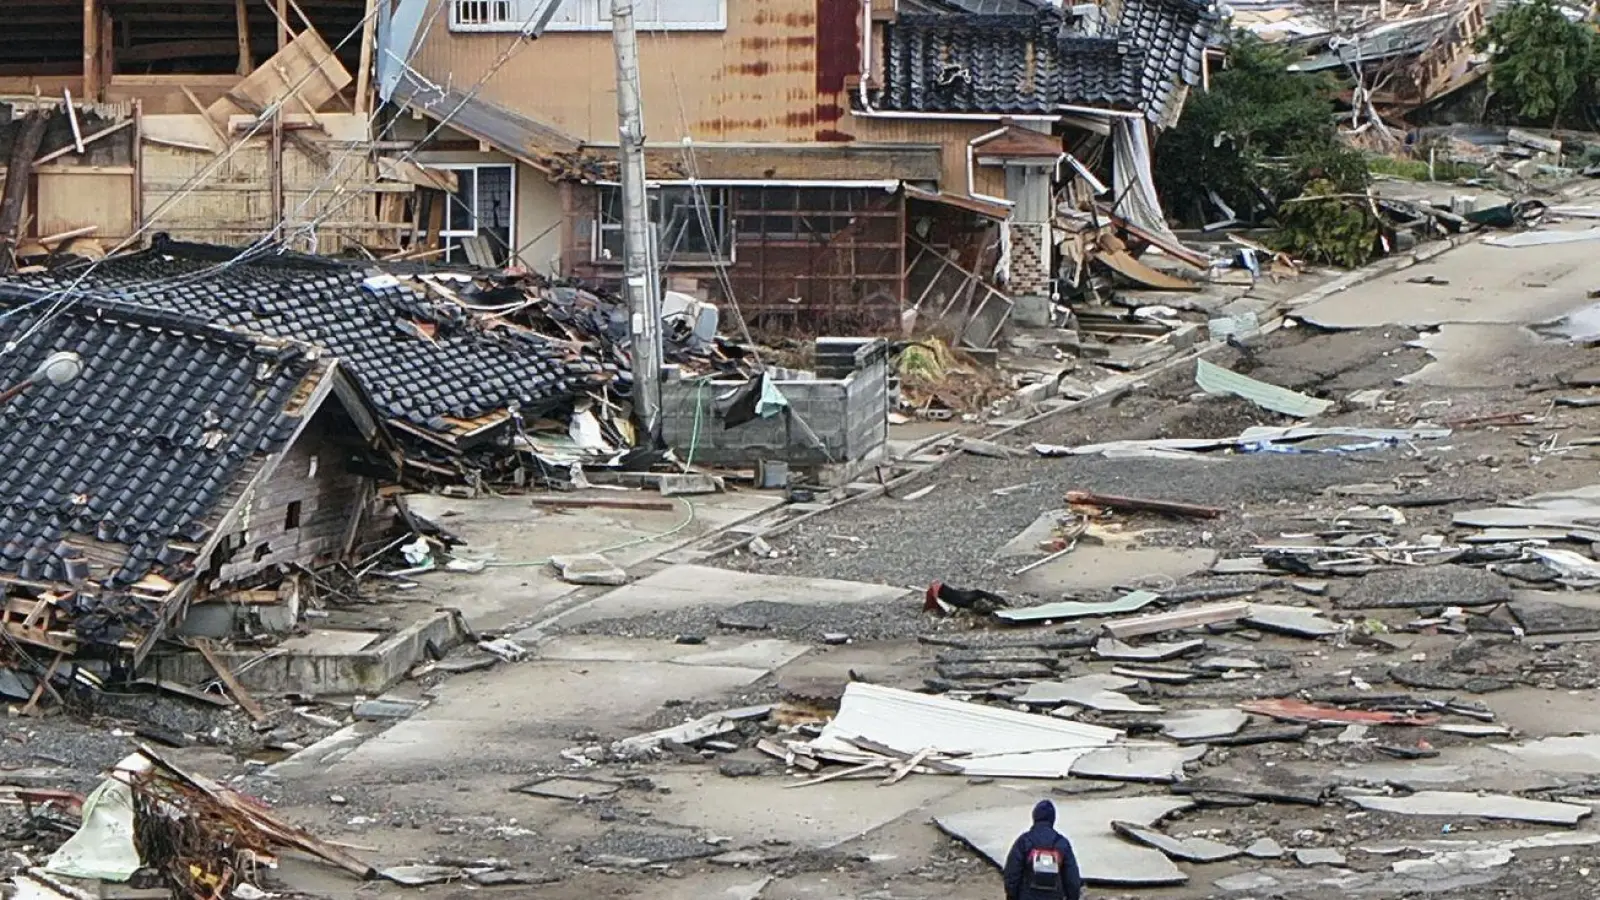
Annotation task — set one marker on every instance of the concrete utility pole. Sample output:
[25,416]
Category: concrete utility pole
[641,282]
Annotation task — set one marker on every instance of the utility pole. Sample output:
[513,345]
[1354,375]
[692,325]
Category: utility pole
[641,283]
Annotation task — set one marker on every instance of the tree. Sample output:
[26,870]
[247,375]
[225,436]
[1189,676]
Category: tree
[1540,64]
[1258,136]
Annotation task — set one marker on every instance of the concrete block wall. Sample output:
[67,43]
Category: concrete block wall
[1030,259]
[829,421]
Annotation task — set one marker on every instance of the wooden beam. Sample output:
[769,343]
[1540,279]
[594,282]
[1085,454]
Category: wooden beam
[602,503]
[108,49]
[275,165]
[18,173]
[44,685]
[225,675]
[84,142]
[364,68]
[242,15]
[91,50]
[180,49]
[72,119]
[283,24]
[204,114]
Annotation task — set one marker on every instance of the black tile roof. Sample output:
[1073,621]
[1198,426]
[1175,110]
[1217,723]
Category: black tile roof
[423,363]
[138,452]
[978,7]
[1035,64]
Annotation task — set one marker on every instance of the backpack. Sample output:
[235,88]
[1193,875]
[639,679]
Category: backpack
[1044,869]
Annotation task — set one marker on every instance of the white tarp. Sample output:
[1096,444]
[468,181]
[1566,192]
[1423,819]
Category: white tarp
[102,848]
[999,743]
[1132,178]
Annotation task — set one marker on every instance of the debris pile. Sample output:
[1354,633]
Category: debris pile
[467,369]
[152,821]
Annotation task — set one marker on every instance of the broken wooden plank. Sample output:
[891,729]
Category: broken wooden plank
[18,175]
[603,503]
[872,746]
[790,758]
[901,770]
[72,120]
[60,237]
[44,685]
[842,773]
[1141,504]
[1177,619]
[201,109]
[240,695]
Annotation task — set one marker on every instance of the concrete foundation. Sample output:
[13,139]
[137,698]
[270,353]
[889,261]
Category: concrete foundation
[328,668]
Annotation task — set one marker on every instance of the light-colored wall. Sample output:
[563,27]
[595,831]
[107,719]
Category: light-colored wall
[775,75]
[539,218]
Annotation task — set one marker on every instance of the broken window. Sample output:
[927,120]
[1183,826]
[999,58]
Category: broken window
[478,222]
[796,214]
[587,15]
[291,516]
[691,225]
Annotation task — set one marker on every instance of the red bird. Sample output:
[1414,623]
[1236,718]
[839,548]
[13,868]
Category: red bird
[943,599]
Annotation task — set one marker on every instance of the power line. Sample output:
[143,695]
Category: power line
[505,56]
[67,296]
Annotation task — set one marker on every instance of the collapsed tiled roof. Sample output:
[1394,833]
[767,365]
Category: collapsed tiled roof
[978,7]
[1173,35]
[1001,64]
[431,365]
[1036,64]
[121,472]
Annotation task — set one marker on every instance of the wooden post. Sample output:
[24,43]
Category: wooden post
[275,163]
[283,24]
[369,27]
[242,14]
[19,171]
[138,166]
[91,50]
[108,50]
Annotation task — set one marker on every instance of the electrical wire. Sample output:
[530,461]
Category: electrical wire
[511,50]
[64,298]
[702,202]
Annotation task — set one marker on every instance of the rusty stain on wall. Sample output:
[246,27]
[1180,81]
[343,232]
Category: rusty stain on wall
[777,74]
[838,56]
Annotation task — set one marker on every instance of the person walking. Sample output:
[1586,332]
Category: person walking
[1041,865]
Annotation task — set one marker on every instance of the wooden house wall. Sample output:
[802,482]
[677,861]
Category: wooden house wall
[314,474]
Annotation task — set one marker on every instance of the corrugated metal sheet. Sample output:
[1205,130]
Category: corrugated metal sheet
[993,742]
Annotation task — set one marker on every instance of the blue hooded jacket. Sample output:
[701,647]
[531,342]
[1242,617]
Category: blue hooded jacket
[1042,835]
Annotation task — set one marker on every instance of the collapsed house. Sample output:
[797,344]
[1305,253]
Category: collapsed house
[186,461]
[804,192]
[447,381]
[1394,58]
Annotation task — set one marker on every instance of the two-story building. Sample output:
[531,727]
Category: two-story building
[823,164]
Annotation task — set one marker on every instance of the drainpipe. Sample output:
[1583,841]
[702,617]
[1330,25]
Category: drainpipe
[972,181]
[866,54]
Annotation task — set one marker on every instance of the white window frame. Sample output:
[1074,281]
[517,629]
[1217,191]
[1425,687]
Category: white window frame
[721,200]
[446,233]
[511,16]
